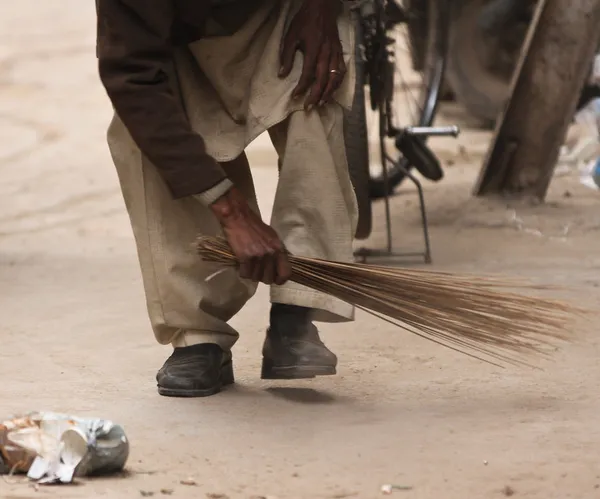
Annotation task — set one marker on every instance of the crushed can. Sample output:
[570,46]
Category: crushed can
[55,448]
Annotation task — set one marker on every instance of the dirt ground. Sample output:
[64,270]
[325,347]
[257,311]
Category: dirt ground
[75,336]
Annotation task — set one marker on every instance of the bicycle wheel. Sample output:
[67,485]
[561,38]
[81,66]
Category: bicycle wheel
[486,37]
[417,36]
[357,143]
[485,42]
[413,98]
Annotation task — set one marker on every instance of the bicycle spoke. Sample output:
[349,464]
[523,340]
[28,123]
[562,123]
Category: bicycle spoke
[406,87]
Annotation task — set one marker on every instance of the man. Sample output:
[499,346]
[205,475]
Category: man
[193,82]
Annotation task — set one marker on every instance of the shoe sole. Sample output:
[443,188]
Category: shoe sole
[269,371]
[227,378]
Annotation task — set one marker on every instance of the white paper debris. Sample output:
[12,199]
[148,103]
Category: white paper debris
[56,448]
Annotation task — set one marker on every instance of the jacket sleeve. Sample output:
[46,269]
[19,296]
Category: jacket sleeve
[135,56]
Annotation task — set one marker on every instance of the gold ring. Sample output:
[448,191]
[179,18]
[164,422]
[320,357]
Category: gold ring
[335,71]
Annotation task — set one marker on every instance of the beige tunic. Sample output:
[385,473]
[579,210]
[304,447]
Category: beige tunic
[232,94]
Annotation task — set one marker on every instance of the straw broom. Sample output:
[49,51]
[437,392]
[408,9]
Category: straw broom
[469,314]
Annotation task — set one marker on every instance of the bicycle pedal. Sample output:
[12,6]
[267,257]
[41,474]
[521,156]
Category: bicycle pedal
[416,152]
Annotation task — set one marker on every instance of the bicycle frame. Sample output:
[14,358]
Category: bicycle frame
[377,18]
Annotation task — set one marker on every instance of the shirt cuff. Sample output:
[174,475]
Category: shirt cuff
[211,195]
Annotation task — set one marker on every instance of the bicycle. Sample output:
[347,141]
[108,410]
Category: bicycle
[381,25]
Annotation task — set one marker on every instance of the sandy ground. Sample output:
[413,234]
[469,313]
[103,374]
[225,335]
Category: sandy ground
[75,336]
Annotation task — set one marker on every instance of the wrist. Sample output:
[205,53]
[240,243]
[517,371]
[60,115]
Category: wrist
[230,206]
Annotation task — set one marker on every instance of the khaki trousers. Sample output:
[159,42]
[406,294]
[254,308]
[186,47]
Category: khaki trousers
[314,212]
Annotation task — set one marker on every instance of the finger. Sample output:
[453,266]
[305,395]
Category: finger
[269,269]
[335,79]
[288,54]
[257,269]
[308,71]
[284,269]
[272,246]
[322,76]
[246,269]
[247,258]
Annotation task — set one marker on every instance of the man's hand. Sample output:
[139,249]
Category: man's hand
[256,245]
[314,32]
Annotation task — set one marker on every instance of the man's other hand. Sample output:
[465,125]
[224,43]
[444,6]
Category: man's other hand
[313,31]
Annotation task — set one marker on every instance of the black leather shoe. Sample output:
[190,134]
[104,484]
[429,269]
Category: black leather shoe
[293,349]
[196,371]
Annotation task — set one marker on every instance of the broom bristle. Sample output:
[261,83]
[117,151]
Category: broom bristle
[466,313]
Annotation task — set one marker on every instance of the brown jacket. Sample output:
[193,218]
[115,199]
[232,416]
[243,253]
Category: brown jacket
[135,41]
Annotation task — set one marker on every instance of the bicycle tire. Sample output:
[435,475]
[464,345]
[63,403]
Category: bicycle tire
[438,27]
[417,39]
[482,91]
[357,143]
